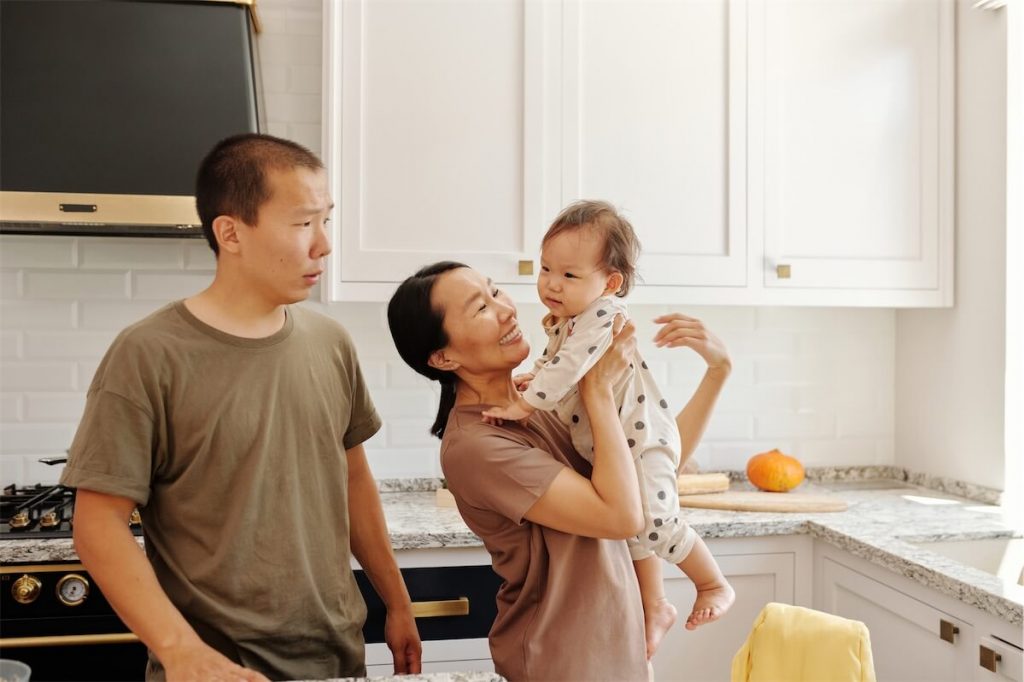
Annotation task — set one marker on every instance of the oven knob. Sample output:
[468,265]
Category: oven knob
[49,520]
[72,589]
[26,589]
[19,520]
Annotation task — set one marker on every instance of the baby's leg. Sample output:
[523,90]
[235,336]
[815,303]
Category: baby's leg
[714,593]
[659,614]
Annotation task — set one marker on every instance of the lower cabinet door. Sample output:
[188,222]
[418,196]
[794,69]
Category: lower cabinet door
[705,654]
[910,640]
[998,661]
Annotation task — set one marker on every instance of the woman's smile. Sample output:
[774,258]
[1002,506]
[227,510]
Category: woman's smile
[512,337]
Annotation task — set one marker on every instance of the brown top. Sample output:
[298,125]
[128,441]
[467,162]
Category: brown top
[234,450]
[570,607]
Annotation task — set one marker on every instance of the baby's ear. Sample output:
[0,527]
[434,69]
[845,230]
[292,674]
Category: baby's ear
[614,282]
[437,360]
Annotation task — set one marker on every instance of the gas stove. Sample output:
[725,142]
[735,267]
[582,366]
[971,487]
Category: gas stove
[41,511]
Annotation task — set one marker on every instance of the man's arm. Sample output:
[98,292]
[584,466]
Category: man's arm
[108,550]
[371,546]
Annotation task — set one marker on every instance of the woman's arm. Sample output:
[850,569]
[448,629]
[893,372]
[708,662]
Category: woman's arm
[607,505]
[680,330]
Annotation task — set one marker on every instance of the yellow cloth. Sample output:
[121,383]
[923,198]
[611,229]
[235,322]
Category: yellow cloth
[794,644]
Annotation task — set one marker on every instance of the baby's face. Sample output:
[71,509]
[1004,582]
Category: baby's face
[572,275]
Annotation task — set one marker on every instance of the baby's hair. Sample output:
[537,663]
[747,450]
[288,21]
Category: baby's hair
[621,245]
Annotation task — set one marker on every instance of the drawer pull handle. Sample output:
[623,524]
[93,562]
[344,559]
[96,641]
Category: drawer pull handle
[526,267]
[68,640]
[988,659]
[783,271]
[948,631]
[436,609]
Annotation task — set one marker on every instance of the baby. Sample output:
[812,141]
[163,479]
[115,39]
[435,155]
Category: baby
[588,261]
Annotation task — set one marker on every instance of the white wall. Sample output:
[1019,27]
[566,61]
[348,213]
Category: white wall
[818,383]
[950,362]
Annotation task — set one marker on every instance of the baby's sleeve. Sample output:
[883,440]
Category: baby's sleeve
[591,336]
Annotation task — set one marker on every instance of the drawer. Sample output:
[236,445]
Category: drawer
[467,591]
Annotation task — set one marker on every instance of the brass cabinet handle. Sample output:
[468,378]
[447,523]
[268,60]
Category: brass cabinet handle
[436,609]
[948,631]
[69,640]
[988,659]
[526,267]
[783,271]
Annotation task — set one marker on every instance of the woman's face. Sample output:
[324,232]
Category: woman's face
[480,320]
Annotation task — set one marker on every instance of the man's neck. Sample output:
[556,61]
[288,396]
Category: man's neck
[236,310]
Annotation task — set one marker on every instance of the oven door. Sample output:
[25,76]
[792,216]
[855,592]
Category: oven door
[57,622]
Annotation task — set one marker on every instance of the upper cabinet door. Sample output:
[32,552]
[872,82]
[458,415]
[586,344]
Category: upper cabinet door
[436,137]
[856,100]
[655,122]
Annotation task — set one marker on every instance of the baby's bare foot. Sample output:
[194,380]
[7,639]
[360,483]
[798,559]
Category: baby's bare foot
[659,617]
[711,603]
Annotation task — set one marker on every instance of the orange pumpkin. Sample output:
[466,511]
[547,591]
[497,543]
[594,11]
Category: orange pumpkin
[774,471]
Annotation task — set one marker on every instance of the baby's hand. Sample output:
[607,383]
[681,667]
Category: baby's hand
[521,381]
[520,409]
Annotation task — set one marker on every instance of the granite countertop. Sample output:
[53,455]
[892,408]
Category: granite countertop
[884,516]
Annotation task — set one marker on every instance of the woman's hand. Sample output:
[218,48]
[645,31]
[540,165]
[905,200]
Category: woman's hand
[679,330]
[615,360]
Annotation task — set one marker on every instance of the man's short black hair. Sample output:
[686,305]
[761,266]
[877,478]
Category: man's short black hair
[232,178]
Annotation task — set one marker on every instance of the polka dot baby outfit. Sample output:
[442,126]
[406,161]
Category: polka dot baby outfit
[574,346]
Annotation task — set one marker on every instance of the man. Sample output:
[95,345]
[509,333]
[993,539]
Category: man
[234,420]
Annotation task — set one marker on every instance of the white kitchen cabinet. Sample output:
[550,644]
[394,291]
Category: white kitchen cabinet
[912,626]
[439,137]
[761,570]
[655,122]
[852,129]
[779,152]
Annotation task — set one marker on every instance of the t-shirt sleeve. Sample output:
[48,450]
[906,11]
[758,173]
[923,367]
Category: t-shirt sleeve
[496,472]
[363,419]
[112,451]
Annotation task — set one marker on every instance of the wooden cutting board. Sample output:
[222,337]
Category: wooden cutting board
[745,500]
[694,484]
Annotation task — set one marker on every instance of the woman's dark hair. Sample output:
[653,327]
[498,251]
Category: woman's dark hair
[417,328]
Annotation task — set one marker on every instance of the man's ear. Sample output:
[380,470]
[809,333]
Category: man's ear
[438,360]
[613,283]
[225,229]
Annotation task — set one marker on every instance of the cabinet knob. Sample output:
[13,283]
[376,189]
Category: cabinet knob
[782,271]
[526,267]
[988,659]
[948,631]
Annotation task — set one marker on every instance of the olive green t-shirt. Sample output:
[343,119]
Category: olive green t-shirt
[234,450]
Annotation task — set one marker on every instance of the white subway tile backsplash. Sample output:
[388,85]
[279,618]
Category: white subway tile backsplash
[67,345]
[37,252]
[815,382]
[36,438]
[54,407]
[127,254]
[789,425]
[114,315]
[168,287]
[37,314]
[10,410]
[10,345]
[199,256]
[37,376]
[75,285]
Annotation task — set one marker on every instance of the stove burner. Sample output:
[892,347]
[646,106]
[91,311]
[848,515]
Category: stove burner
[42,511]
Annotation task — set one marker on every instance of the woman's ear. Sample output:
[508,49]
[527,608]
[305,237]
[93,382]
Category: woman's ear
[438,360]
[613,283]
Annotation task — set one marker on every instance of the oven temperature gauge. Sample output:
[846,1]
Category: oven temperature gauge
[72,589]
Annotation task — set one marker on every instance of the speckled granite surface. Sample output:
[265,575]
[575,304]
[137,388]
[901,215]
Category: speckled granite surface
[427,677]
[883,517]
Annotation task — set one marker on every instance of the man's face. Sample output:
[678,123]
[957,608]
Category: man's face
[282,256]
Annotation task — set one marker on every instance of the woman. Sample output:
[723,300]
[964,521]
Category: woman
[554,524]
